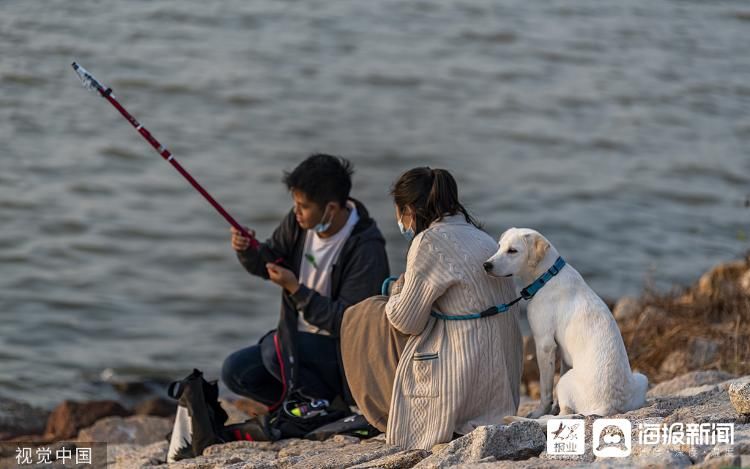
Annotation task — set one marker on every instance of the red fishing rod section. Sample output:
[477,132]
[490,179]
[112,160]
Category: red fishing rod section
[92,83]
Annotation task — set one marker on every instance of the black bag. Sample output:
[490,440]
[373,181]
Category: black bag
[297,417]
[200,418]
[353,425]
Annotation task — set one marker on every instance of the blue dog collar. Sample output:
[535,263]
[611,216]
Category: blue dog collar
[526,294]
[531,290]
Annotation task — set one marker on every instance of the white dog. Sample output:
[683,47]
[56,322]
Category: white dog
[564,313]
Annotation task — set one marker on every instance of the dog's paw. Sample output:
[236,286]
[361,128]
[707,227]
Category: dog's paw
[555,409]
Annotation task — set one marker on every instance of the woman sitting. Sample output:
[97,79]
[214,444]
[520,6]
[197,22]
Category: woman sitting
[417,376]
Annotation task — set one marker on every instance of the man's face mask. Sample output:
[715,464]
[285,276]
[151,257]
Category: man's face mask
[322,227]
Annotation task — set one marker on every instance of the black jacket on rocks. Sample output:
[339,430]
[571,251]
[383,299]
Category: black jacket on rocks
[358,273]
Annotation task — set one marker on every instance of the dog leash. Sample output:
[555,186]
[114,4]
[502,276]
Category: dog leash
[386,285]
[526,294]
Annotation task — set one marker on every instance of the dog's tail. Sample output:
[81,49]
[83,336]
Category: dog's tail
[639,388]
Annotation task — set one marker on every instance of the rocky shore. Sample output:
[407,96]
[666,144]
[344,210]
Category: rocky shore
[703,378]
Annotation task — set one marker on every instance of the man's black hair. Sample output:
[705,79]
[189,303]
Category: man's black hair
[322,178]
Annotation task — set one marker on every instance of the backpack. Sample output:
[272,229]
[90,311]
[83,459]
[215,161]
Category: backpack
[200,419]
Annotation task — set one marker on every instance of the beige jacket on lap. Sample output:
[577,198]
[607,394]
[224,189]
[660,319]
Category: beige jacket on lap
[453,376]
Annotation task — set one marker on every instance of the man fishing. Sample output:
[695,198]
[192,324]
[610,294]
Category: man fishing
[333,256]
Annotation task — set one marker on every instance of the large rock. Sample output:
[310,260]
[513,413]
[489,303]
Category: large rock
[520,440]
[668,459]
[741,445]
[626,308]
[126,456]
[744,283]
[699,353]
[739,396]
[236,458]
[342,459]
[337,452]
[709,407]
[694,379]
[487,446]
[724,279]
[675,362]
[311,448]
[245,453]
[400,460]
[157,406]
[727,384]
[133,393]
[18,418]
[248,446]
[724,462]
[138,430]
[531,463]
[70,416]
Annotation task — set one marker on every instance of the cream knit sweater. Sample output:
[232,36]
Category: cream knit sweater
[453,376]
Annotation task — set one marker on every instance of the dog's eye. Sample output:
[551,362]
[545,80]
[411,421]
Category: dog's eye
[511,251]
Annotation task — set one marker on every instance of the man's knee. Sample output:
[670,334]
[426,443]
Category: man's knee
[230,369]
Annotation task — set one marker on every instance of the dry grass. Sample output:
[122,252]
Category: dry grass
[714,310]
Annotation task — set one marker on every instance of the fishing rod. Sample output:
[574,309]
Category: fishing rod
[91,83]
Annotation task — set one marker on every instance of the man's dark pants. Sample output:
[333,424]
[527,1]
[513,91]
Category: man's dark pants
[243,371]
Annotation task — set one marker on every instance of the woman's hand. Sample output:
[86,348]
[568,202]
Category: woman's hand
[397,285]
[282,277]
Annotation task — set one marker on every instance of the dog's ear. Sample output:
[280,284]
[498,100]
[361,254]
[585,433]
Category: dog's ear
[538,248]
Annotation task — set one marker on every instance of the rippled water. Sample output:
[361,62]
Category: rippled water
[618,129]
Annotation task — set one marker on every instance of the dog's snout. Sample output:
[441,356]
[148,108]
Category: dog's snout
[487,266]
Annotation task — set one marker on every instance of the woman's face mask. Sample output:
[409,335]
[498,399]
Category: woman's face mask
[407,233]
